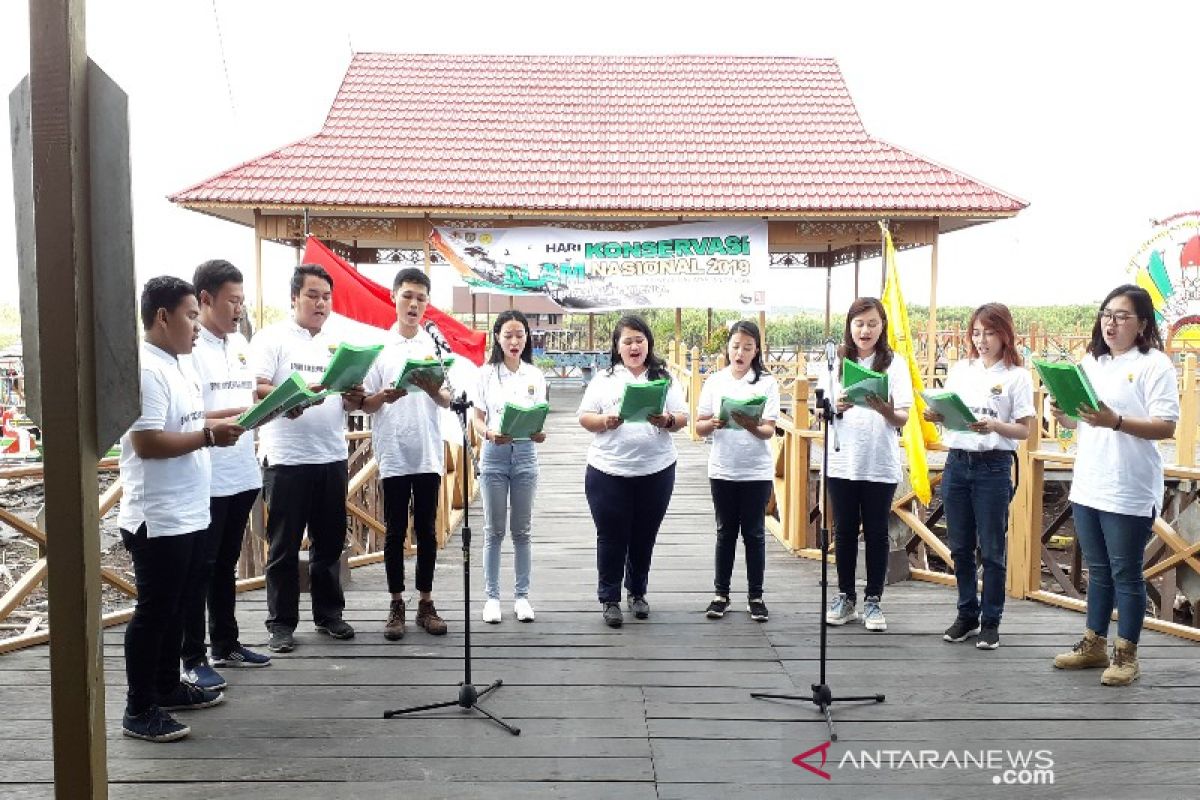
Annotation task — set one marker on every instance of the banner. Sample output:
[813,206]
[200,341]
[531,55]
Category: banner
[718,264]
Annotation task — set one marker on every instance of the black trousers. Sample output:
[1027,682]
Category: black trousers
[741,507]
[628,513]
[165,570]
[300,496]
[867,504]
[217,585]
[422,489]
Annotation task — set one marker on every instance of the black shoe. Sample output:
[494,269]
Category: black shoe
[153,725]
[613,617]
[962,628]
[185,697]
[989,636]
[639,606]
[758,609]
[716,609]
[337,628]
[281,641]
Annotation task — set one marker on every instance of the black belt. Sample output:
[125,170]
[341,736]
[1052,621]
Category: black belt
[984,455]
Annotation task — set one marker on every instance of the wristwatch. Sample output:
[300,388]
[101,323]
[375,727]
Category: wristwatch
[209,439]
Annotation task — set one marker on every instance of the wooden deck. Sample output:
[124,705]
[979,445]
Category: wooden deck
[658,710]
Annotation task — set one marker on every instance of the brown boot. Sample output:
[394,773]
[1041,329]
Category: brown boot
[427,618]
[1124,669]
[1090,652]
[393,629]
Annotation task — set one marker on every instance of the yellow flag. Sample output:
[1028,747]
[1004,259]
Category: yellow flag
[917,433]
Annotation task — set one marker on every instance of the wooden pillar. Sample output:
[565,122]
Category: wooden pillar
[1189,408]
[828,295]
[591,331]
[425,248]
[62,248]
[931,330]
[473,325]
[258,271]
[708,329]
[679,325]
[762,329]
[857,265]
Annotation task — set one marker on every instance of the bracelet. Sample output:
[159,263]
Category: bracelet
[670,421]
[209,439]
[1120,419]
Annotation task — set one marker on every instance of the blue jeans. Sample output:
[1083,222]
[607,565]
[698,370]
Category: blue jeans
[508,477]
[976,490]
[1114,546]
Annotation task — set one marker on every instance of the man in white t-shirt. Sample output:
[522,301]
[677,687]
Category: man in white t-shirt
[407,438]
[221,359]
[164,510]
[304,480]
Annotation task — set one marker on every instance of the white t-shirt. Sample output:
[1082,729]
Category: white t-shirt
[632,448]
[498,386]
[1001,392]
[170,495]
[870,446]
[739,455]
[1114,471]
[227,381]
[406,434]
[318,435]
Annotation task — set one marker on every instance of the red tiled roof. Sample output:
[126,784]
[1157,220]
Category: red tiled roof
[597,133]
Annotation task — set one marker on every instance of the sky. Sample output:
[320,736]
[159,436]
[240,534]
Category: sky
[1085,113]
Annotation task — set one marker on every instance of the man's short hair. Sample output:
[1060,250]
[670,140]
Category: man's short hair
[165,291]
[212,275]
[303,271]
[412,275]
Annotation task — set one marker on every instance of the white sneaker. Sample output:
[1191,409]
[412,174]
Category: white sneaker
[491,611]
[873,617]
[523,610]
[841,610]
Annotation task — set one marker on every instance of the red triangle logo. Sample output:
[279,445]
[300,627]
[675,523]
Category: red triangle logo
[823,749]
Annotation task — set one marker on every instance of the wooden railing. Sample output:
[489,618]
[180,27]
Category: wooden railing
[365,531]
[1034,570]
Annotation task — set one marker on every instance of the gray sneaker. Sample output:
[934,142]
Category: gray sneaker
[841,610]
[613,617]
[639,606]
[873,615]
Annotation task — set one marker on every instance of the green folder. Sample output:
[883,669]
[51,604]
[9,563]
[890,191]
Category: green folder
[751,407]
[522,422]
[1069,386]
[955,414]
[859,382]
[292,393]
[642,400]
[432,367]
[349,366]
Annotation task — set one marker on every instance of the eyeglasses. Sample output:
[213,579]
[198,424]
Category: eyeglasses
[1119,317]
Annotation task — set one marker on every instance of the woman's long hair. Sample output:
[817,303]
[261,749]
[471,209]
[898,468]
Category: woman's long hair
[655,366]
[1143,306]
[750,329]
[883,352]
[997,318]
[497,355]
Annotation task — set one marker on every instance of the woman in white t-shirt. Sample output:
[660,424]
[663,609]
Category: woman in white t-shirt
[630,468]
[977,480]
[508,469]
[865,469]
[740,466]
[1117,486]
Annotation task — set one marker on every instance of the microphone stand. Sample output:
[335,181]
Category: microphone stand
[822,696]
[468,694]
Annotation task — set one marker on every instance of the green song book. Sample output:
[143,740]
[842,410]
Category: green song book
[349,366]
[955,414]
[858,383]
[751,407]
[292,393]
[642,400]
[522,422]
[431,367]
[1069,385]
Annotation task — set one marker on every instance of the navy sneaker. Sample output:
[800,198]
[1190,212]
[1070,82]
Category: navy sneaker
[185,696]
[240,657]
[202,676]
[153,725]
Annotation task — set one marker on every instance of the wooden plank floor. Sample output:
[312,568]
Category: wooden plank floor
[659,709]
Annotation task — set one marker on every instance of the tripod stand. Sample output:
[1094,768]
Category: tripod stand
[822,696]
[468,694]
